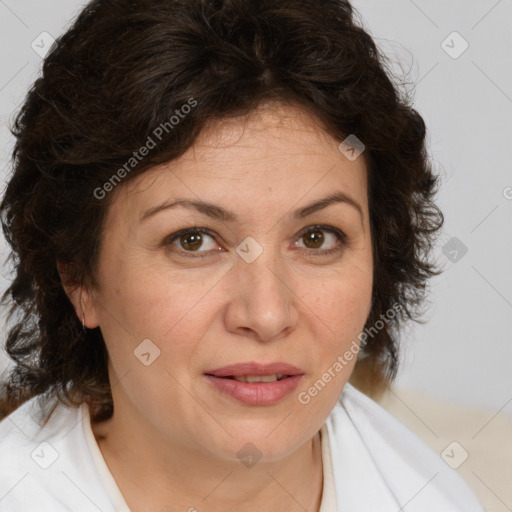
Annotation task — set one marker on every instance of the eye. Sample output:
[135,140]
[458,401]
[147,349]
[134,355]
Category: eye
[199,242]
[192,240]
[326,238]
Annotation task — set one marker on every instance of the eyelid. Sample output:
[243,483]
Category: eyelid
[323,227]
[192,229]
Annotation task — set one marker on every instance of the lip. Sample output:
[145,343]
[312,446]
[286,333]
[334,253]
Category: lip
[253,368]
[256,393]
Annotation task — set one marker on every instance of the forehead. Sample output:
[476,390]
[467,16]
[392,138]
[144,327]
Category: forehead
[278,118]
[276,148]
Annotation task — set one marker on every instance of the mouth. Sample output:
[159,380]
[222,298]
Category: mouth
[254,383]
[251,379]
[254,370]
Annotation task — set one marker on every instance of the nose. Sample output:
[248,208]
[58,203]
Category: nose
[263,304]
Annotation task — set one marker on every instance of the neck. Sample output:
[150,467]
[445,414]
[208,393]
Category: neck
[152,472]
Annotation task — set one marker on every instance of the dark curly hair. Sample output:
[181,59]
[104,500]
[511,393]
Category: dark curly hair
[125,67]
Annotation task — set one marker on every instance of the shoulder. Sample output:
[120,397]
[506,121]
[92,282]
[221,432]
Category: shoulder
[377,459]
[43,464]
[24,430]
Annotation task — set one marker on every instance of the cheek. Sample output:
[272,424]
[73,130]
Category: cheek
[342,299]
[337,309]
[149,298]
[142,302]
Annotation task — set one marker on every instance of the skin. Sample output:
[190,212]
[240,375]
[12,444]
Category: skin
[172,442]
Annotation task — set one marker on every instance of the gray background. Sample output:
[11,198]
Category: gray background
[464,351]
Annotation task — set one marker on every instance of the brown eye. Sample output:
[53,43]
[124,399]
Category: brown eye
[321,240]
[191,241]
[313,239]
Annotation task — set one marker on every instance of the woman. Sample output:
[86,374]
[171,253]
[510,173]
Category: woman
[220,212]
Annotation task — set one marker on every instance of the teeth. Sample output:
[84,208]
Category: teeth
[259,378]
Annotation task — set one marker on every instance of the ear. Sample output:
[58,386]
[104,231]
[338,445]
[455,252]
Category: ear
[82,299]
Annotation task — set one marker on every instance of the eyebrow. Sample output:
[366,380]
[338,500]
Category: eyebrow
[218,213]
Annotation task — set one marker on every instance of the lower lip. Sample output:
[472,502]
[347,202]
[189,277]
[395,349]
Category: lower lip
[257,393]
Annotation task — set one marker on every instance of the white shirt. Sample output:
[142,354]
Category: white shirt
[371,463]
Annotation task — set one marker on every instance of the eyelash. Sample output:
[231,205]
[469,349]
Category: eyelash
[342,238]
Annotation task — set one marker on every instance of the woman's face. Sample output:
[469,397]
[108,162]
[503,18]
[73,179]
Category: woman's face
[265,279]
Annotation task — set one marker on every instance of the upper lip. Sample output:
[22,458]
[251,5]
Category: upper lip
[252,368]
